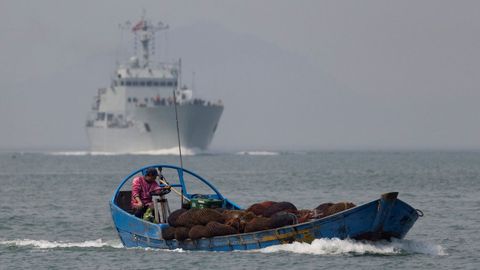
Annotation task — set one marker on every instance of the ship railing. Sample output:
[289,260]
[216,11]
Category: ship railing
[155,102]
[166,65]
[153,64]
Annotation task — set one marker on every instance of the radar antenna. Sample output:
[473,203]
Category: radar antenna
[144,31]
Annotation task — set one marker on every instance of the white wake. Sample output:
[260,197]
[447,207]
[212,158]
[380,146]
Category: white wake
[339,247]
[258,153]
[44,244]
[161,152]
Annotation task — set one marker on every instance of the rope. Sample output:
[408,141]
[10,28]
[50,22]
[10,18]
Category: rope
[174,190]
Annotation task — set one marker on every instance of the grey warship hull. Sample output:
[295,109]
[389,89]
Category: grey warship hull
[155,128]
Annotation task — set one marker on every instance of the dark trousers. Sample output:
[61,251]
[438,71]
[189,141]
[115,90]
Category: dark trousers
[139,212]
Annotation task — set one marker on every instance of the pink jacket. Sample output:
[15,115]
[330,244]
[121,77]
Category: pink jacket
[142,188]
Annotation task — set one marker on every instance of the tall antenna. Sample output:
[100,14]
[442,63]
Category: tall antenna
[144,32]
[178,130]
[193,81]
[179,76]
[178,137]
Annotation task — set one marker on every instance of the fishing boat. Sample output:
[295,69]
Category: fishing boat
[381,219]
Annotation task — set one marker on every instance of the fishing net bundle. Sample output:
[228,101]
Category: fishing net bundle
[168,233]
[238,219]
[187,219]
[199,231]
[238,214]
[181,233]
[282,218]
[218,229]
[194,217]
[278,207]
[338,207]
[327,209]
[207,215]
[259,208]
[304,215]
[204,223]
[221,210]
[320,210]
[172,218]
[257,224]
[236,223]
[230,214]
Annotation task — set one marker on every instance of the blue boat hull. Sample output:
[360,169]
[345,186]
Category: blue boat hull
[381,219]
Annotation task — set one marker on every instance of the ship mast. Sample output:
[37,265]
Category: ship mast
[146,31]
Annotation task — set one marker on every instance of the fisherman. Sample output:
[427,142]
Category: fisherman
[142,186]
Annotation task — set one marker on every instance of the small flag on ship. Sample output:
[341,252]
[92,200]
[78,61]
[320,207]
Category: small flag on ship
[138,26]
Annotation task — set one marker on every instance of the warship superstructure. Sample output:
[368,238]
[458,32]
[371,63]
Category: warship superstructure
[137,112]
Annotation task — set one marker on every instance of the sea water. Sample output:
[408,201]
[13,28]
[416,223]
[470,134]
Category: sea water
[54,210]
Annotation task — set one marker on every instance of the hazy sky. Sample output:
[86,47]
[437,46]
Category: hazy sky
[294,75]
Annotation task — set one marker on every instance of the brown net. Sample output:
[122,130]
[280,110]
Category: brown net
[282,218]
[199,231]
[186,219]
[168,233]
[235,223]
[304,215]
[194,217]
[280,206]
[220,210]
[247,217]
[181,233]
[257,224]
[320,211]
[338,207]
[267,203]
[204,216]
[239,214]
[327,209]
[238,219]
[259,208]
[172,218]
[218,229]
[229,214]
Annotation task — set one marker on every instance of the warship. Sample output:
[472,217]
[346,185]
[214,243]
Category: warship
[137,112]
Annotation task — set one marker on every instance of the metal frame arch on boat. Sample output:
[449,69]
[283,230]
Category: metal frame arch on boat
[180,172]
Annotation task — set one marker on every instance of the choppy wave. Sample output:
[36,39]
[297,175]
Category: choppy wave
[160,152]
[45,244]
[339,247]
[258,153]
